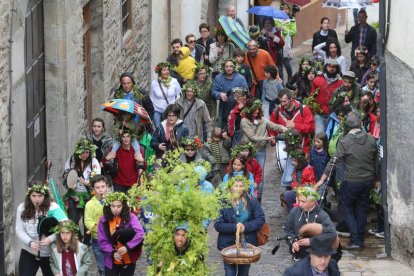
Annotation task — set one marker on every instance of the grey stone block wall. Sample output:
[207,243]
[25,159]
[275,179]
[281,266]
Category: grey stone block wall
[5,146]
[400,101]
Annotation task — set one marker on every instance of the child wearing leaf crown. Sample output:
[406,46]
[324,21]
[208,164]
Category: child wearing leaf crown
[303,174]
[86,166]
[69,256]
[191,150]
[247,149]
[216,151]
[238,167]
[120,235]
[125,120]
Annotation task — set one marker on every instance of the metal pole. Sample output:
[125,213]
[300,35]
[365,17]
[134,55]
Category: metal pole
[383,109]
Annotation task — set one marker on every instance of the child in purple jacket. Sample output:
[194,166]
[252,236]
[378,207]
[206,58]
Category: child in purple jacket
[120,236]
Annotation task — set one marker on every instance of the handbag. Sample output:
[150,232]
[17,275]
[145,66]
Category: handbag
[263,234]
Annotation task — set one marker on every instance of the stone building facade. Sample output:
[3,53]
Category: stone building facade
[59,59]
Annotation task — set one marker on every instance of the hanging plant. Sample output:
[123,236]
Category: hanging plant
[311,102]
[174,196]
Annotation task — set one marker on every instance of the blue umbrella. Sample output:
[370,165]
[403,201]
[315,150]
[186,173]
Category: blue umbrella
[268,11]
[234,31]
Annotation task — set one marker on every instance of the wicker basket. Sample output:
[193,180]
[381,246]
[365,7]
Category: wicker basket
[239,254]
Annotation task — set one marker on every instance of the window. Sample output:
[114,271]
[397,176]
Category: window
[126,15]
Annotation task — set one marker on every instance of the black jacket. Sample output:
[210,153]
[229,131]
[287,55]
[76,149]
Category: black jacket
[370,39]
[318,38]
[303,268]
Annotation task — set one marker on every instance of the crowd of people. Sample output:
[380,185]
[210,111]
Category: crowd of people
[217,104]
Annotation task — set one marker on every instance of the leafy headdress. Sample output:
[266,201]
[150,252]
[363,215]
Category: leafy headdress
[125,130]
[193,85]
[218,30]
[195,142]
[243,146]
[66,226]
[161,65]
[85,145]
[293,140]
[255,105]
[115,196]
[308,192]
[236,179]
[38,188]
[200,66]
[235,64]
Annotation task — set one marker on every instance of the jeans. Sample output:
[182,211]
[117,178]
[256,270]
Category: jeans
[321,122]
[236,270]
[261,159]
[287,179]
[28,265]
[99,257]
[134,144]
[157,118]
[236,138]
[355,203]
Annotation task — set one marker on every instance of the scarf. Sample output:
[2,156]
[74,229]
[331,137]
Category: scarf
[329,79]
[166,82]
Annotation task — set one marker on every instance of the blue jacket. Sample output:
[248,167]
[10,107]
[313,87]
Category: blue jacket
[158,137]
[223,84]
[303,268]
[318,160]
[226,224]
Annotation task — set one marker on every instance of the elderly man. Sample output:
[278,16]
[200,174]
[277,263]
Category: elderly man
[319,262]
[362,34]
[232,12]
[323,87]
[257,59]
[194,112]
[307,213]
[358,151]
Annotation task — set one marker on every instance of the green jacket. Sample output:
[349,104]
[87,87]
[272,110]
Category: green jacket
[82,260]
[93,212]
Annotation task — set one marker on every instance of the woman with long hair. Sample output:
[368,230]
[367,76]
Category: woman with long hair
[36,205]
[331,49]
[120,236]
[254,127]
[69,256]
[245,214]
[220,50]
[85,164]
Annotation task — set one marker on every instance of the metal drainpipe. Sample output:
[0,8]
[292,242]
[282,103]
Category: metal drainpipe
[381,45]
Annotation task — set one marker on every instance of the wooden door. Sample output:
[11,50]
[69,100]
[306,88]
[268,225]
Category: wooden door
[35,91]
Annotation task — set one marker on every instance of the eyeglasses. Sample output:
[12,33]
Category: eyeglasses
[191,41]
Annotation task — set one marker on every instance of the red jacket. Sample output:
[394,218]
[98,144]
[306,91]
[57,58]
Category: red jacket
[325,92]
[232,120]
[308,177]
[304,122]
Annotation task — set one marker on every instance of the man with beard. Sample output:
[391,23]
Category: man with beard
[222,90]
[323,87]
[174,59]
[257,59]
[350,87]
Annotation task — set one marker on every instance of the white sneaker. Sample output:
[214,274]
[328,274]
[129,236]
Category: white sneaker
[343,234]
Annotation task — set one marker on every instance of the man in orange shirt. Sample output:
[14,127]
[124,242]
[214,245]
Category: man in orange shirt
[257,59]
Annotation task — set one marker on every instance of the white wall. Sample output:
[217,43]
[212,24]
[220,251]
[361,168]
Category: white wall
[401,37]
[242,7]
[190,17]
[159,34]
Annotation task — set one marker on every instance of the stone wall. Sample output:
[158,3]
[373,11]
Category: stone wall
[400,84]
[111,54]
[5,147]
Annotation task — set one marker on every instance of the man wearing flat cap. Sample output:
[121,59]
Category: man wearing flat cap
[351,87]
[318,263]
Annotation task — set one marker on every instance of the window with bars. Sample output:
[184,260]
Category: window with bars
[126,15]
